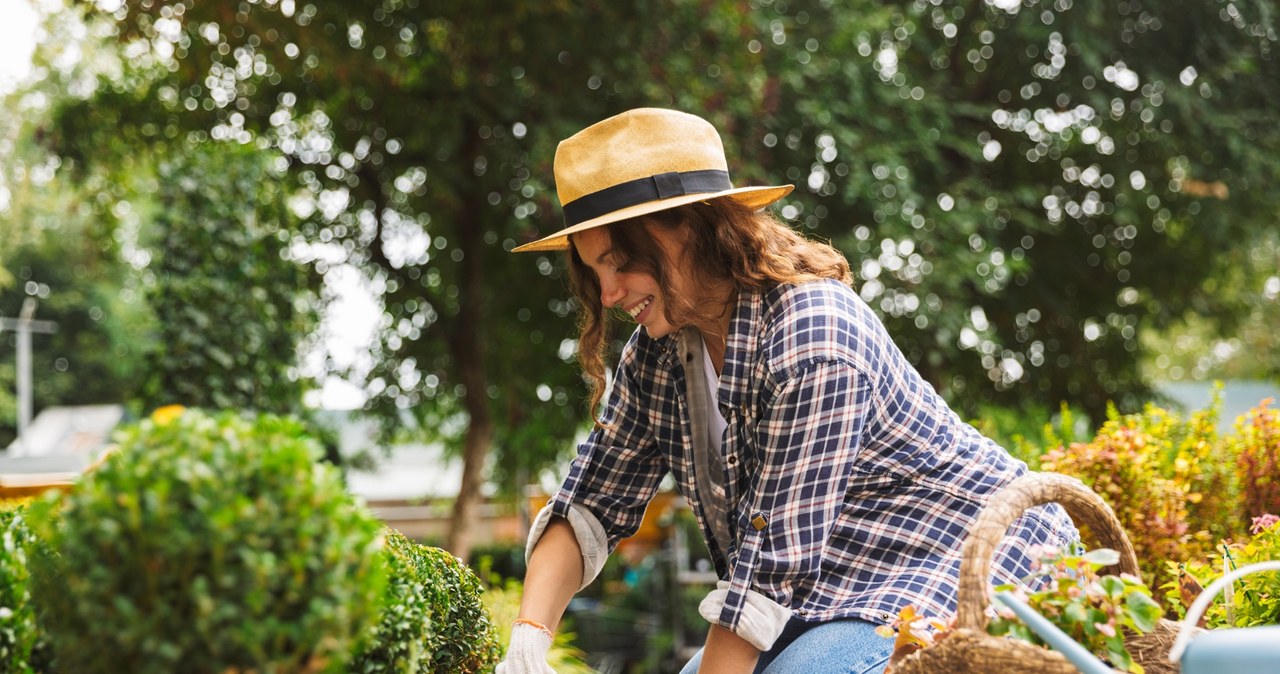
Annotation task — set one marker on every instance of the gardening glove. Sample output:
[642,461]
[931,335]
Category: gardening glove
[527,651]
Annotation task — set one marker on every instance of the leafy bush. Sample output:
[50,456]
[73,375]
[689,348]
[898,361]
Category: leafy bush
[207,544]
[1171,481]
[1257,451]
[1094,610]
[433,618]
[21,645]
[1122,464]
[1254,599]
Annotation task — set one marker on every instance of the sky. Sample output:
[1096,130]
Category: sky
[17,41]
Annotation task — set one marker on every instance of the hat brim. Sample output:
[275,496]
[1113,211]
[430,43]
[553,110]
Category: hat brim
[752,197]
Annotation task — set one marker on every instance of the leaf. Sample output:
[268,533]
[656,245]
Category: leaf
[1102,557]
[1144,611]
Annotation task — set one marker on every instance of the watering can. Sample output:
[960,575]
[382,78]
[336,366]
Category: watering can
[1251,650]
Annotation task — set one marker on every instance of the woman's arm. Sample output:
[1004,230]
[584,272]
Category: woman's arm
[554,574]
[727,653]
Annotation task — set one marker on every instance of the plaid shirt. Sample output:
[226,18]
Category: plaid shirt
[850,483]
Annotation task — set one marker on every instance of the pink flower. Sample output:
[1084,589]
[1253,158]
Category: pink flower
[1106,628]
[1261,524]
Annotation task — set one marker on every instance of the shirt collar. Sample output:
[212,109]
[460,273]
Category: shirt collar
[744,339]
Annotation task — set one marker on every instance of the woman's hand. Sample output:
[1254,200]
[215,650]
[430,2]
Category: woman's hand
[527,651]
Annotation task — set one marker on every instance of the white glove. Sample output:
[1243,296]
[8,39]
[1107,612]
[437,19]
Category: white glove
[527,652]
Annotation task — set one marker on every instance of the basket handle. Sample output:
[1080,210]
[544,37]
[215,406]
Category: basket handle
[1032,489]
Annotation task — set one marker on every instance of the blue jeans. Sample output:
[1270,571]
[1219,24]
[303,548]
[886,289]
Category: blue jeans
[848,646]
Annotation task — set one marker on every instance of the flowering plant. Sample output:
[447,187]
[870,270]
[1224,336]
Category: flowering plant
[912,631]
[1252,600]
[1094,610]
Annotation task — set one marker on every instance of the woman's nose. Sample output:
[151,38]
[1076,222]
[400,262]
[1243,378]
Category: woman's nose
[611,291]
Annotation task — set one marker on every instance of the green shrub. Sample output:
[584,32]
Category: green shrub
[433,618]
[207,544]
[21,646]
[1254,599]
[398,642]
[1122,464]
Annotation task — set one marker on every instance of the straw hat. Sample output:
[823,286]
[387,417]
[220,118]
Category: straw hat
[640,162]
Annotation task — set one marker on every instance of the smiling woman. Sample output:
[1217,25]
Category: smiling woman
[831,483]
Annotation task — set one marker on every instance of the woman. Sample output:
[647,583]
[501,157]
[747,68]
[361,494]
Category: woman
[833,486]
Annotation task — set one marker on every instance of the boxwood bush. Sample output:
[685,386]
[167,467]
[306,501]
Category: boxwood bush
[208,544]
[21,647]
[433,616]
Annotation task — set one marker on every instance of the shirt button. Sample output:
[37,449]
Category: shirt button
[732,460]
[758,522]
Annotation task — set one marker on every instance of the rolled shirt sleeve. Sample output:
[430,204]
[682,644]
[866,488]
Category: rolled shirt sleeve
[611,481]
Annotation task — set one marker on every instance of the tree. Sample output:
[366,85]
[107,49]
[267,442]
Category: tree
[1031,184]
[231,305]
[420,137]
[163,264]
[1012,181]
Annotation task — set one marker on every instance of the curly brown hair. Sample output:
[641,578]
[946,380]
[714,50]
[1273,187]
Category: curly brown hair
[730,244]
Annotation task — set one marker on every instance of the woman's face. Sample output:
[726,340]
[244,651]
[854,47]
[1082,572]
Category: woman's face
[633,291]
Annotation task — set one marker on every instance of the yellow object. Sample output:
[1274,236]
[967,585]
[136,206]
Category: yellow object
[163,415]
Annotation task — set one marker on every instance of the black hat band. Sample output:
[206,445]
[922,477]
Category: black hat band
[644,190]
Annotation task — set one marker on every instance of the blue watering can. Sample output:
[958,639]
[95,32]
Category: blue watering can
[1251,650]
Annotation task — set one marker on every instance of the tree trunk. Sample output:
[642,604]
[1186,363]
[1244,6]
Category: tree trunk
[468,353]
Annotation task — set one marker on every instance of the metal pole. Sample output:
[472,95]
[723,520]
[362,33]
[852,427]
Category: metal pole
[24,372]
[24,325]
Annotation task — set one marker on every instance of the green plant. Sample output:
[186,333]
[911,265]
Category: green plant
[1021,431]
[1094,610]
[433,618]
[19,636]
[1257,452]
[1122,465]
[1254,599]
[1166,479]
[503,603]
[207,544]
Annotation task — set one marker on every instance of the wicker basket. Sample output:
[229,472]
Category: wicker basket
[969,649]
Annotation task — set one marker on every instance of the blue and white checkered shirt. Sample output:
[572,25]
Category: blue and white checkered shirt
[850,483]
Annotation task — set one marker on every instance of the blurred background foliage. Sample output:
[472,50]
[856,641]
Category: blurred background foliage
[1047,201]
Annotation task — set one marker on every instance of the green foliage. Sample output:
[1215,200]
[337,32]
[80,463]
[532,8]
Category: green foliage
[1255,598]
[503,603]
[1163,477]
[1024,433]
[400,641]
[972,160]
[231,307]
[207,544]
[979,158]
[434,617]
[1096,611]
[22,647]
